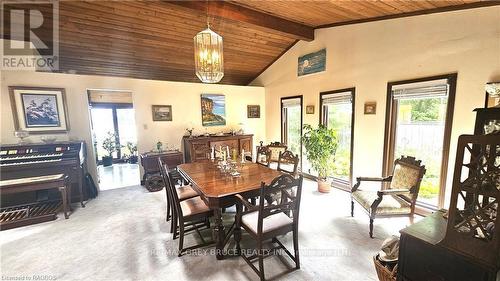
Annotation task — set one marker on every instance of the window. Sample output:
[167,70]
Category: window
[291,124]
[419,117]
[337,113]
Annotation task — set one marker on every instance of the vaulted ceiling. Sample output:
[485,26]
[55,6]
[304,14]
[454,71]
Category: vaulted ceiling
[154,39]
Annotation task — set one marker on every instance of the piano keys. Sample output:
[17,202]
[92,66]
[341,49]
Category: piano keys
[40,159]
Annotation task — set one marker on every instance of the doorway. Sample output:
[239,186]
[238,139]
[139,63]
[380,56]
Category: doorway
[114,138]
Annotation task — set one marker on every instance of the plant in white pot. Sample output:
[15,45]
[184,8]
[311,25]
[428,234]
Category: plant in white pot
[321,145]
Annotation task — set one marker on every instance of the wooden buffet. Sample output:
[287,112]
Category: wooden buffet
[197,148]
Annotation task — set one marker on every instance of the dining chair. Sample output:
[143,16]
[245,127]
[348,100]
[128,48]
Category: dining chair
[276,148]
[190,214]
[398,199]
[288,163]
[184,191]
[267,221]
[263,156]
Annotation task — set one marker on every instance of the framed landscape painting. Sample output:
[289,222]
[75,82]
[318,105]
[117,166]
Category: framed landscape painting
[162,112]
[39,110]
[213,110]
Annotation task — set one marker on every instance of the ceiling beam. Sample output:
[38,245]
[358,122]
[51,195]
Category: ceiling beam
[225,10]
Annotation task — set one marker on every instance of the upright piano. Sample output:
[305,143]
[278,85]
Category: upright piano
[40,159]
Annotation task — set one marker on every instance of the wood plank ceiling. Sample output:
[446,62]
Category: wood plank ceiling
[154,39]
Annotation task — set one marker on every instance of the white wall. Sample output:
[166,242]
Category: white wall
[369,55]
[184,98]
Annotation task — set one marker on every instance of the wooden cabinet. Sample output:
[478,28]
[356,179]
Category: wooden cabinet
[198,148]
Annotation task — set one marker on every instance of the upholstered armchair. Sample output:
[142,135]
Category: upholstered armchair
[400,196]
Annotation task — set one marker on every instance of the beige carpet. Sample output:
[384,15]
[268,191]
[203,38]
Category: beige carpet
[122,235]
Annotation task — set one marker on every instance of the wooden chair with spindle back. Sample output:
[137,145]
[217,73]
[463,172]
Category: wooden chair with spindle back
[267,221]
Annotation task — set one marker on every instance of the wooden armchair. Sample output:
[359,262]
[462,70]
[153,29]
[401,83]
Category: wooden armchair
[398,199]
[276,148]
[267,221]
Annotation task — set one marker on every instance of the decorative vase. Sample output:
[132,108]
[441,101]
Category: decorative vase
[324,186]
[107,161]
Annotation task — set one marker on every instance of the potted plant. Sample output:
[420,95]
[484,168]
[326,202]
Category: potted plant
[321,145]
[109,144]
[132,147]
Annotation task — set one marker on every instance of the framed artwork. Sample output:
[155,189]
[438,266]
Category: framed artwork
[162,112]
[253,111]
[492,95]
[312,63]
[213,110]
[310,109]
[370,108]
[39,110]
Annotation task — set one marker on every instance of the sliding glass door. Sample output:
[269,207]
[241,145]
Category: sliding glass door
[337,113]
[291,124]
[419,125]
[117,119]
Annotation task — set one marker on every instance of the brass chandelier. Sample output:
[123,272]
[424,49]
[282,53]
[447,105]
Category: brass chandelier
[208,55]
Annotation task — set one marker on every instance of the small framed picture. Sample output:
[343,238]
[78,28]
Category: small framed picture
[253,111]
[310,109]
[370,108]
[39,110]
[162,112]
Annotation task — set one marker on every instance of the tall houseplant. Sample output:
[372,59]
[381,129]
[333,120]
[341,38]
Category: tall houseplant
[321,145]
[109,144]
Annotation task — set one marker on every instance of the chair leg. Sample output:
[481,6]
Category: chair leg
[352,208]
[412,217]
[261,261]
[237,228]
[181,237]
[371,228]
[168,210]
[296,248]
[173,226]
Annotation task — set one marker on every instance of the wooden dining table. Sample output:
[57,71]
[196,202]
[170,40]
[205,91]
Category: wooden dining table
[218,189]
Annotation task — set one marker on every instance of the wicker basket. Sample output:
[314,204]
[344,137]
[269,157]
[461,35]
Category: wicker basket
[384,273]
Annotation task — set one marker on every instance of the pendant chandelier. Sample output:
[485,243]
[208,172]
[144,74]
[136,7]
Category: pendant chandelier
[208,55]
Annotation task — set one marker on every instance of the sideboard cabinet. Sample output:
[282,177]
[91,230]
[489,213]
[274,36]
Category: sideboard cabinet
[197,148]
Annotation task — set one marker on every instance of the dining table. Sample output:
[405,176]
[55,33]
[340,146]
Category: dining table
[218,189]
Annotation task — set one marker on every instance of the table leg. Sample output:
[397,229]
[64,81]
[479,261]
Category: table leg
[64,197]
[219,234]
[80,187]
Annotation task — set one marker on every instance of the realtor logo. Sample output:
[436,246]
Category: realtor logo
[30,32]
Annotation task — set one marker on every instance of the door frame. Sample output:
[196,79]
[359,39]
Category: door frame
[340,184]
[283,126]
[390,127]
[113,107]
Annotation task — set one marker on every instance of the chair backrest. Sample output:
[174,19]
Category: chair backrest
[172,195]
[276,148]
[263,155]
[289,203]
[288,163]
[407,174]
